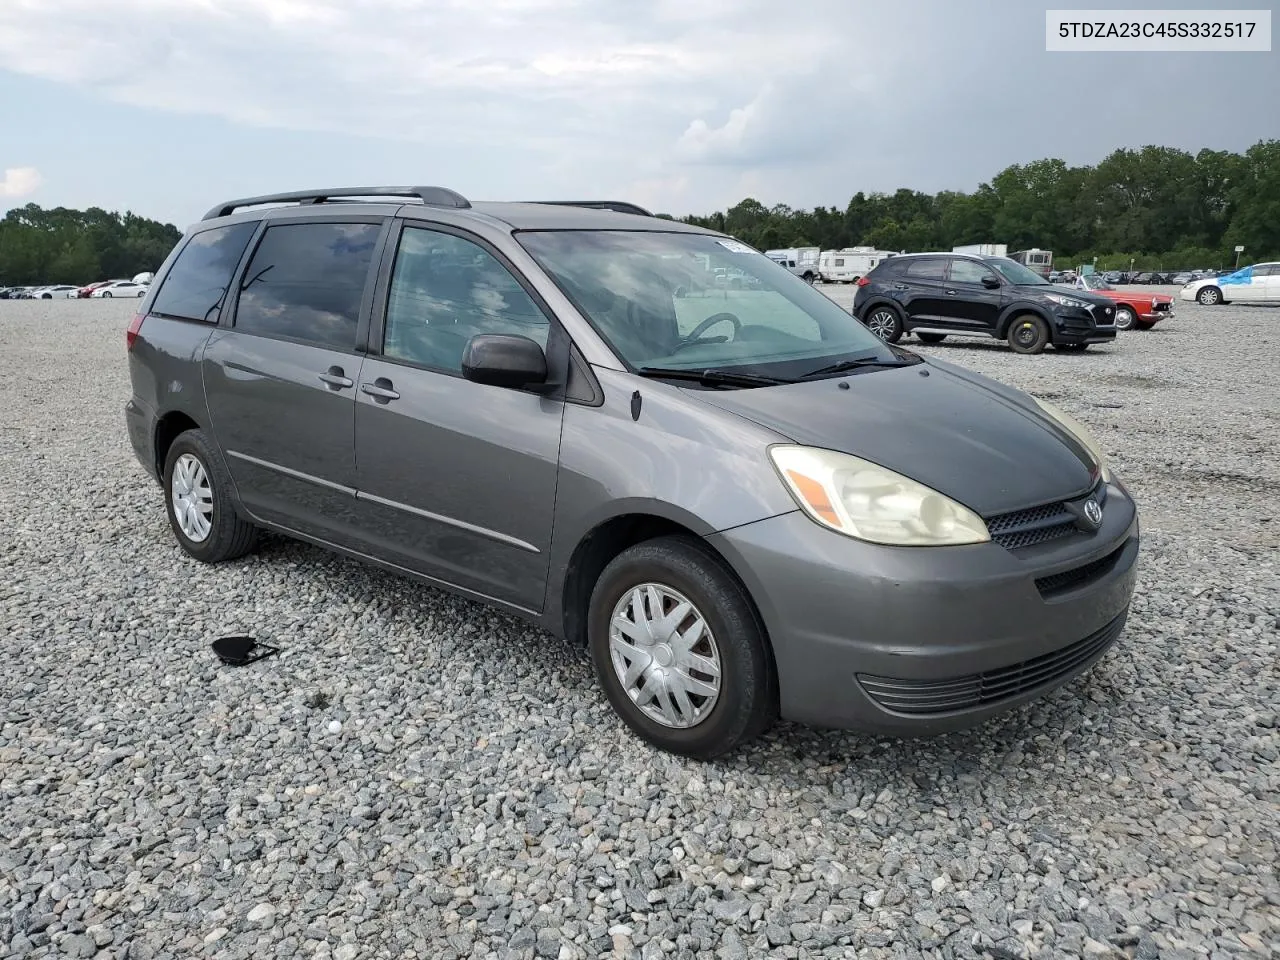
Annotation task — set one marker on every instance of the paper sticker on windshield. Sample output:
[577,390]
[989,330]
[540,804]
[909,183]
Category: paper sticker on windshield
[733,246]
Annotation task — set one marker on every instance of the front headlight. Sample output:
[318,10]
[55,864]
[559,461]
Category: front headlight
[1066,301]
[866,501]
[1081,433]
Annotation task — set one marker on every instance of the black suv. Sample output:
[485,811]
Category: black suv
[936,294]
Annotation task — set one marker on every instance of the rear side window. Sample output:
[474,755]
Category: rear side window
[305,282]
[927,269]
[198,279]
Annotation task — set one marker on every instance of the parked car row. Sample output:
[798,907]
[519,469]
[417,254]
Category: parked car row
[103,289]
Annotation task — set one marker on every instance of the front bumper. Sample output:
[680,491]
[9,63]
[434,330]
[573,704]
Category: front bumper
[917,641]
[1075,325]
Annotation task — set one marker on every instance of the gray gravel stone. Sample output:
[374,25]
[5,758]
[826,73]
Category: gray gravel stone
[477,798]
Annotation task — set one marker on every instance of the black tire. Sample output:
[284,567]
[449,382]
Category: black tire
[885,322]
[1028,334]
[1209,296]
[931,337]
[229,536]
[1071,347]
[1125,318]
[747,702]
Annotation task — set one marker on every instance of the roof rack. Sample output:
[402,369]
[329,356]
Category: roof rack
[617,206]
[431,196]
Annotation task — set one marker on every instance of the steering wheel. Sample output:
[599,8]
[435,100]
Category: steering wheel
[695,335]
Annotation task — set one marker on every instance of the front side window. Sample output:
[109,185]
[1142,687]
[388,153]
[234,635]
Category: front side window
[969,271]
[660,300]
[305,282]
[446,289]
[196,283]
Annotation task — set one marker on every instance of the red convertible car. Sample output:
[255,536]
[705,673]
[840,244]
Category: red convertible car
[1133,307]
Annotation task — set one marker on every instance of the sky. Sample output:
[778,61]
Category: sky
[166,107]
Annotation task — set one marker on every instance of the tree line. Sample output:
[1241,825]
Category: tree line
[79,246]
[1158,207]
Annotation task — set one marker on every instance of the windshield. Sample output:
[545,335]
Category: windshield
[1095,281]
[696,302]
[1016,273]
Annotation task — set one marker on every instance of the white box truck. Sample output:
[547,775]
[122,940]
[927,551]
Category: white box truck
[802,261]
[983,249]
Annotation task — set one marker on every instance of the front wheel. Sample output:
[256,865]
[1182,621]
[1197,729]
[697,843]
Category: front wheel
[679,649]
[1209,296]
[1125,319]
[198,502]
[886,323]
[1028,334]
[107,296]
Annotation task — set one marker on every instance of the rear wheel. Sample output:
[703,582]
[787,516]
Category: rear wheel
[1209,296]
[932,337]
[885,322]
[1125,318]
[198,502]
[1028,334]
[679,649]
[107,295]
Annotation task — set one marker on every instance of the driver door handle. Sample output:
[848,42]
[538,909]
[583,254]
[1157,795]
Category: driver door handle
[381,390]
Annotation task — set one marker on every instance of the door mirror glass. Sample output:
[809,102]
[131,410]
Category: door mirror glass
[990,282]
[504,360]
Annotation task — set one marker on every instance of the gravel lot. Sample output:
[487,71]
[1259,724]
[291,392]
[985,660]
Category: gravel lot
[415,776]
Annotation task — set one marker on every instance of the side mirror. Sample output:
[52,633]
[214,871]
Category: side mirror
[990,282]
[504,360]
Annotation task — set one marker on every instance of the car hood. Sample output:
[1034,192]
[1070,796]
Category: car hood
[1119,296]
[975,440]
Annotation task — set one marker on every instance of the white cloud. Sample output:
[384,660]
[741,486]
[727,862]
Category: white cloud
[20,181]
[685,103]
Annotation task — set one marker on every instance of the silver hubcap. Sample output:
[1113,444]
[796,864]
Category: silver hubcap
[881,323]
[664,655]
[1124,319]
[1209,296]
[192,498]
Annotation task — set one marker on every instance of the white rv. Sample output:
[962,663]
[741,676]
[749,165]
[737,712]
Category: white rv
[983,249]
[802,261]
[849,264]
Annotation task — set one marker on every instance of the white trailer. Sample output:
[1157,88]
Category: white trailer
[802,261]
[850,264]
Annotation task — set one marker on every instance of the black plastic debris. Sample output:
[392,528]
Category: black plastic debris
[240,651]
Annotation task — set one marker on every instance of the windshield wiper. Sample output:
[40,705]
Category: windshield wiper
[713,377]
[857,362]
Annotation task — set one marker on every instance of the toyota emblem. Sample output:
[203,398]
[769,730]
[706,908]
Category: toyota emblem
[1093,512]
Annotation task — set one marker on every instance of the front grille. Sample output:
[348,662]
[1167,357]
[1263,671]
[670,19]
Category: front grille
[1161,307]
[1070,579]
[923,697]
[1049,521]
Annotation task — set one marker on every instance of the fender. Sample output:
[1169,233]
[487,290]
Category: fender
[1017,309]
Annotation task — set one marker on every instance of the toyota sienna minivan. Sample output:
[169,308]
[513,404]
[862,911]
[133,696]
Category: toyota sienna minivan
[743,503]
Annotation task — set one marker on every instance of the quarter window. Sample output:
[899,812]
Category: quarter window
[305,282]
[444,291]
[196,283]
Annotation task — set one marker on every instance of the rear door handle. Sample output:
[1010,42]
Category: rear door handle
[336,379]
[899,286]
[381,390]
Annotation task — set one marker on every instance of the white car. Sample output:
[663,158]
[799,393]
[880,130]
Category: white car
[59,292]
[1259,283]
[121,288]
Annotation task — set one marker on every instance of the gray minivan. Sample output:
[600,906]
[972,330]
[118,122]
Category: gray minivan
[742,502]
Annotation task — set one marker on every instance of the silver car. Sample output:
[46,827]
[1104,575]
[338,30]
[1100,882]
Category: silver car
[739,500]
